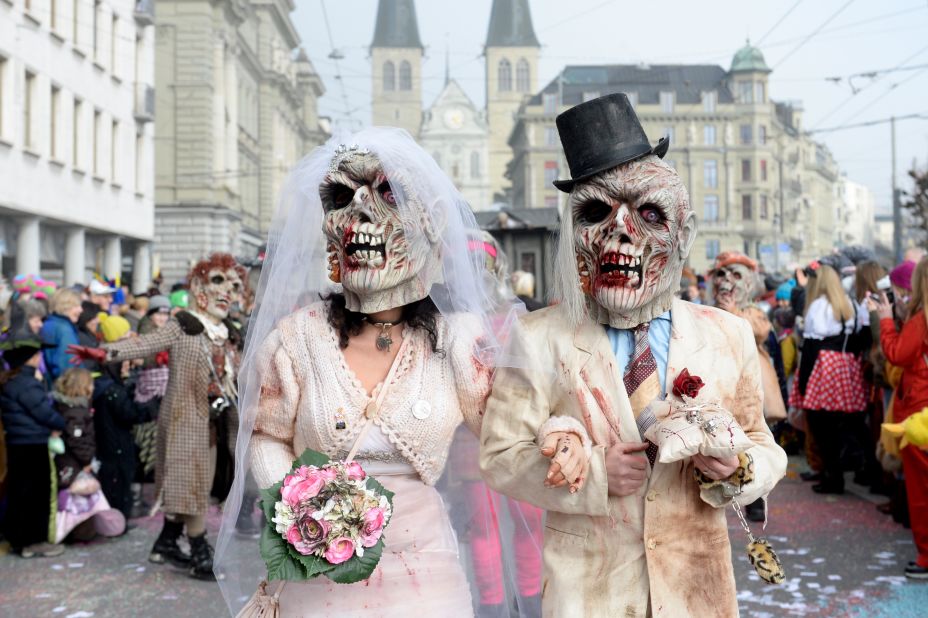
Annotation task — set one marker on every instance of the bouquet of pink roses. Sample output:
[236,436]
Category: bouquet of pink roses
[324,518]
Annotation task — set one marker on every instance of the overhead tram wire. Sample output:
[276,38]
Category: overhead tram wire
[813,33]
[335,56]
[869,123]
[889,90]
[779,21]
[854,93]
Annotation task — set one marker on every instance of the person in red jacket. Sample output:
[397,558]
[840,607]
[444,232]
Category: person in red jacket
[909,349]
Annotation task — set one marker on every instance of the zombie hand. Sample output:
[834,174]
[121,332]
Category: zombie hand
[80,353]
[625,470]
[716,468]
[569,462]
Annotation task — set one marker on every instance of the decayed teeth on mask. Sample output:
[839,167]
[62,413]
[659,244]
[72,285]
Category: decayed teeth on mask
[377,262]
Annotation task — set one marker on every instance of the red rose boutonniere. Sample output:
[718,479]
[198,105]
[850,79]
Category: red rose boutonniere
[686,385]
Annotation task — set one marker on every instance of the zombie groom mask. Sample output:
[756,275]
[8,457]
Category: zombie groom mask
[383,247]
[628,226]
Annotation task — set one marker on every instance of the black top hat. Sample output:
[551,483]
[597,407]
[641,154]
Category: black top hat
[601,134]
[20,347]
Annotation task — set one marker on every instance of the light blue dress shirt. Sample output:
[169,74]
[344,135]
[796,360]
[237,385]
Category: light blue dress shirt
[623,344]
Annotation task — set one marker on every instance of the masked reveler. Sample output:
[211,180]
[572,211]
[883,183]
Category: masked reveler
[392,362]
[203,348]
[735,284]
[631,535]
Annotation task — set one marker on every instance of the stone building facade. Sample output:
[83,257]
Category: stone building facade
[455,132]
[511,54]
[237,108]
[756,182]
[76,139]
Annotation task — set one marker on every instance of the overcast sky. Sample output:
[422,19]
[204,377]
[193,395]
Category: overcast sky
[814,40]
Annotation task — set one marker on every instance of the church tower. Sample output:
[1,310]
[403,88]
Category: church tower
[511,53]
[396,60]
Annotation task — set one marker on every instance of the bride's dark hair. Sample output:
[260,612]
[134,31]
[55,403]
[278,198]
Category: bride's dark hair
[420,314]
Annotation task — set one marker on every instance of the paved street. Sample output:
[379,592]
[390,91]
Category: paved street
[842,558]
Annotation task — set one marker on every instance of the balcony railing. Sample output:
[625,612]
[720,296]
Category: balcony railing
[144,103]
[145,12]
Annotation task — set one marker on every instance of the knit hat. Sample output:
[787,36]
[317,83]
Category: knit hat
[180,298]
[89,311]
[785,290]
[159,303]
[901,276]
[114,328]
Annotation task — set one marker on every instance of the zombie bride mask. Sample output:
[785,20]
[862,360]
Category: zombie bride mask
[382,247]
[734,280]
[216,284]
[628,228]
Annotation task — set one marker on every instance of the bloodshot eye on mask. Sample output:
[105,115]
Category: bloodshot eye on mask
[379,265]
[622,249]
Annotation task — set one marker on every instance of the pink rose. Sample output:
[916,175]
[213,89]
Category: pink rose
[355,471]
[308,534]
[372,528]
[293,535]
[329,473]
[339,550]
[304,489]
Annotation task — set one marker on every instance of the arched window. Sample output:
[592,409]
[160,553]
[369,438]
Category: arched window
[522,76]
[405,76]
[504,75]
[389,76]
[475,164]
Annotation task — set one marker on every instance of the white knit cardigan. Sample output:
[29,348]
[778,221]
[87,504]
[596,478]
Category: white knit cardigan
[306,386]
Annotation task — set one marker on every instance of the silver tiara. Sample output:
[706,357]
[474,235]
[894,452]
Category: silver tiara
[343,153]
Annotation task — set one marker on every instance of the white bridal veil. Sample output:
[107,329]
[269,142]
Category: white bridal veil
[294,275]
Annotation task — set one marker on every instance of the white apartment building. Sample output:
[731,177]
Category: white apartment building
[76,138]
[856,221]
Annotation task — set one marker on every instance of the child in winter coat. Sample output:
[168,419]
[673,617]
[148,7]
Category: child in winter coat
[72,393]
[115,413]
[29,420]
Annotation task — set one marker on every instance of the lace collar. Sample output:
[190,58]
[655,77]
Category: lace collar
[217,333]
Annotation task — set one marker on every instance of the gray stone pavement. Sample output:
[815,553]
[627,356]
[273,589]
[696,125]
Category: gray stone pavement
[842,558]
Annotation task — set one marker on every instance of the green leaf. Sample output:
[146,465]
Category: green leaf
[270,497]
[357,569]
[313,564]
[280,565]
[310,458]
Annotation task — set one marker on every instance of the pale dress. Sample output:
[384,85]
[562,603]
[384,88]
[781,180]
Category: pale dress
[306,389]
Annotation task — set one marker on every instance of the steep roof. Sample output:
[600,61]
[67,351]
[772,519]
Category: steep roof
[519,218]
[511,25]
[749,58]
[687,81]
[396,25]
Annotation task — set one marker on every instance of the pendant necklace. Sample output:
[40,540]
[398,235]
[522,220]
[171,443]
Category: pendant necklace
[384,340]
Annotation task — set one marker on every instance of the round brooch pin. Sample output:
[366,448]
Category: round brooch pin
[422,410]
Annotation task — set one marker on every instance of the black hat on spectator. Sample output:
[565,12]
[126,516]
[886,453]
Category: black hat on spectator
[20,347]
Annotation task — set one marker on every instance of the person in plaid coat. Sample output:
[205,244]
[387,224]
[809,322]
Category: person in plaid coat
[204,351]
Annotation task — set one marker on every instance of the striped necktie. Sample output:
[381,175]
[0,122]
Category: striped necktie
[642,382]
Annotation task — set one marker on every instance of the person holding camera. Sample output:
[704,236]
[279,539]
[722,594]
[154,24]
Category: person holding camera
[908,349]
[204,348]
